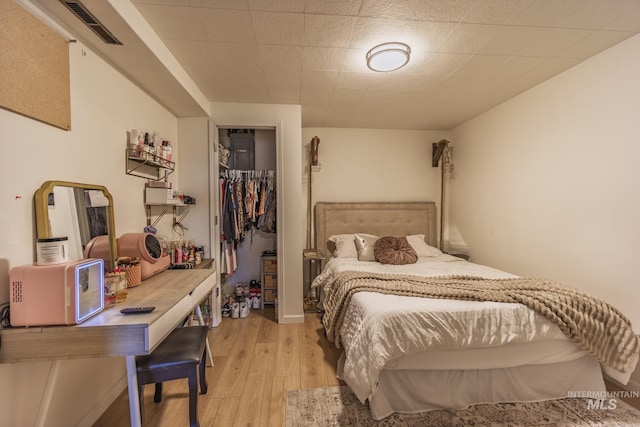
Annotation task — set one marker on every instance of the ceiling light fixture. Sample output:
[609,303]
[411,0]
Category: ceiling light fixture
[387,57]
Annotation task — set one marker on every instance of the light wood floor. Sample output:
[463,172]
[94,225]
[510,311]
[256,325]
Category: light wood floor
[256,362]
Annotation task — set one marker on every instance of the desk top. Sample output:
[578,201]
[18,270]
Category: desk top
[174,293]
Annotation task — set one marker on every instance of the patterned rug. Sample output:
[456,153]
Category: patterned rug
[337,406]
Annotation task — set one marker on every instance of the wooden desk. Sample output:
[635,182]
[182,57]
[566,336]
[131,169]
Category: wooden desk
[174,293]
[206,263]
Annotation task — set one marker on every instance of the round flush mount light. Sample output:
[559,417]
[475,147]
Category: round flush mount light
[387,57]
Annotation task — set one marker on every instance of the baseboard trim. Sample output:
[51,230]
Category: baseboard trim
[296,318]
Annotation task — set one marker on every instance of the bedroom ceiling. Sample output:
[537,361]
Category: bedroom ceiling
[467,55]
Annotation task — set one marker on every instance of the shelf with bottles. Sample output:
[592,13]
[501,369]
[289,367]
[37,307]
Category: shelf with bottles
[184,254]
[165,196]
[147,165]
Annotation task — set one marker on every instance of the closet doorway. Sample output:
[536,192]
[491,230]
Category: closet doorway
[248,193]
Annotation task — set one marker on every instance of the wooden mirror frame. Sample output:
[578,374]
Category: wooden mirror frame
[43,226]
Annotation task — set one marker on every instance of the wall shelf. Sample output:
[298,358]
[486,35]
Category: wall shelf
[150,166]
[165,208]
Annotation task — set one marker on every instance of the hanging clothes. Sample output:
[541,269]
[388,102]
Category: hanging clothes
[248,201]
[240,222]
[227,234]
[267,221]
[227,210]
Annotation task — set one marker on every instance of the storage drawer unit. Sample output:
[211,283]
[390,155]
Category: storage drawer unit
[269,264]
[270,296]
[269,282]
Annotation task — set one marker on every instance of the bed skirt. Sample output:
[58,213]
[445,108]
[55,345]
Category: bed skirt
[410,391]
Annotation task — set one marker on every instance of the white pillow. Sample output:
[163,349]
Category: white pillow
[345,246]
[421,247]
[364,246]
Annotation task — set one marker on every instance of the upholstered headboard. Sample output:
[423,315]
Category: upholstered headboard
[378,218]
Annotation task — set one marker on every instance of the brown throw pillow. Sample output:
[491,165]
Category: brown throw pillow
[394,250]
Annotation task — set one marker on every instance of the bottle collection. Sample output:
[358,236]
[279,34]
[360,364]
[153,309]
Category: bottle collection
[185,253]
[149,146]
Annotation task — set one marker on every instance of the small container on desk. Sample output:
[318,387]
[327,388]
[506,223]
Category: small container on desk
[112,284]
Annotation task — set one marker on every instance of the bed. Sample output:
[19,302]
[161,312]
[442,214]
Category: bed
[410,350]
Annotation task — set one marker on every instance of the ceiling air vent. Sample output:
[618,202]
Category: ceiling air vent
[90,21]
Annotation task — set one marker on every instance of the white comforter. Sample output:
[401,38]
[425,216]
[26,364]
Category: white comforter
[379,329]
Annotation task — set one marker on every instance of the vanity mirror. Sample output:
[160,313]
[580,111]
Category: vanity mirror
[77,211]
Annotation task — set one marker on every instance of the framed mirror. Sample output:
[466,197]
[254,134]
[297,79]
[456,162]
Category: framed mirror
[80,212]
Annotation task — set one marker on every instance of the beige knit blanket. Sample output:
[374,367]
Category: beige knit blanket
[594,325]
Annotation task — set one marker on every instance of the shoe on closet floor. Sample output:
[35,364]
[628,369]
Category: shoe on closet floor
[255,303]
[239,290]
[235,310]
[244,309]
[246,289]
[226,310]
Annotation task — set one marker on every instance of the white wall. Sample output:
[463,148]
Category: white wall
[370,165]
[193,177]
[104,105]
[548,183]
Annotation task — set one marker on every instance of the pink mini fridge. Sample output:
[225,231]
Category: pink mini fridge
[59,294]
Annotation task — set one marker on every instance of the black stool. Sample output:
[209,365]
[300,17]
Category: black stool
[178,356]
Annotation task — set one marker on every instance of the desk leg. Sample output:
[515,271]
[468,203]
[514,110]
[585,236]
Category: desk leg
[199,314]
[48,393]
[132,385]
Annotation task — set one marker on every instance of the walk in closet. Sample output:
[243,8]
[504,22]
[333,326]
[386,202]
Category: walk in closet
[247,179]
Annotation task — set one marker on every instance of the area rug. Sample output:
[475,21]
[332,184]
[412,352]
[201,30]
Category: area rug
[338,406]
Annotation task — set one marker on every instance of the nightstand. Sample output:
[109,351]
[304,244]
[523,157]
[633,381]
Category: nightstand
[314,259]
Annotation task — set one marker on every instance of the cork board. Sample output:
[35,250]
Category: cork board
[34,67]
